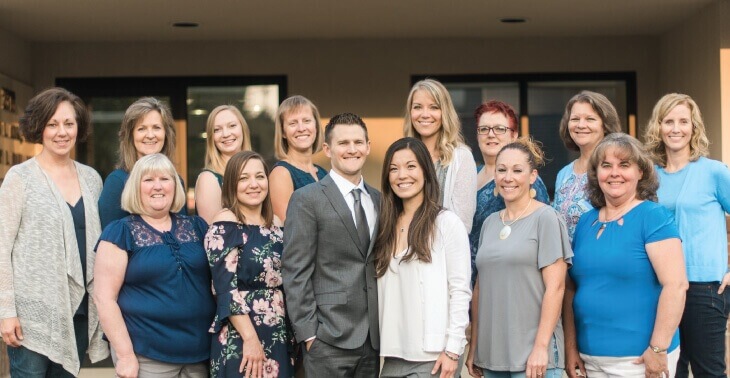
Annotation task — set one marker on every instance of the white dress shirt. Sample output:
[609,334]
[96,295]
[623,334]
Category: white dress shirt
[346,187]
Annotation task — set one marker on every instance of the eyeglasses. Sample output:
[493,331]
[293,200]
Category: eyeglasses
[498,129]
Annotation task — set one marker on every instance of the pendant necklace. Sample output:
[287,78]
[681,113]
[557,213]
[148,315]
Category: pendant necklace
[507,229]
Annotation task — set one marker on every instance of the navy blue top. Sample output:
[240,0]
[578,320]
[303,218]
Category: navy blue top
[110,199]
[77,212]
[166,297]
[617,290]
[299,177]
[488,203]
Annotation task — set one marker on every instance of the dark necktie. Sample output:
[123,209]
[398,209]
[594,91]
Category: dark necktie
[363,231]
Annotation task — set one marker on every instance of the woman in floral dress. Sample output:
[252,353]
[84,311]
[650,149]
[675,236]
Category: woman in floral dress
[244,245]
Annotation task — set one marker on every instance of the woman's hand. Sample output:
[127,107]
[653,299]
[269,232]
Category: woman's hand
[537,363]
[252,364]
[474,371]
[447,366]
[11,331]
[126,367]
[724,283]
[574,363]
[654,363]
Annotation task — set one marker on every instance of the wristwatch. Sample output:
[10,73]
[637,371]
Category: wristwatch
[656,349]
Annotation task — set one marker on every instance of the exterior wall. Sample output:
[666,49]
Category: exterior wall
[690,63]
[16,60]
[368,77]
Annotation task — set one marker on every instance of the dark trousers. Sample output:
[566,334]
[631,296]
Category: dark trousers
[702,331]
[328,361]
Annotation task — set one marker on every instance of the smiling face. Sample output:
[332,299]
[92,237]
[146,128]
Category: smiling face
[676,129]
[425,114]
[300,129]
[253,185]
[149,134]
[227,133]
[157,191]
[491,143]
[405,176]
[585,126]
[513,175]
[618,177]
[59,134]
[347,150]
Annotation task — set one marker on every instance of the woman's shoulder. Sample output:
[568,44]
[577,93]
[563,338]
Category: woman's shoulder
[87,171]
[448,219]
[118,174]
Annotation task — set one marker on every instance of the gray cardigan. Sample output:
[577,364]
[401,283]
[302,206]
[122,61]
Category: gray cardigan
[41,282]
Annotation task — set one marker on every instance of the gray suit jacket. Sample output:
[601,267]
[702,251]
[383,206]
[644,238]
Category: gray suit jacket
[329,281]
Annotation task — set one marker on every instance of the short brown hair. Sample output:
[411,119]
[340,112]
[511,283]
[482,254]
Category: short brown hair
[601,105]
[634,152]
[288,106]
[134,113]
[41,108]
[229,195]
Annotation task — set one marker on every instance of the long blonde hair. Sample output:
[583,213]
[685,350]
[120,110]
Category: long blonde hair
[698,145]
[449,136]
[213,158]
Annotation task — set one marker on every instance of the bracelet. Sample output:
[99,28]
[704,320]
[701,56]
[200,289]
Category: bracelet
[452,356]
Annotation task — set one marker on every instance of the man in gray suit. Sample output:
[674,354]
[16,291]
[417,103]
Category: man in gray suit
[327,263]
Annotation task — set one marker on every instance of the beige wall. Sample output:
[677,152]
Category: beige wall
[368,77]
[15,57]
[690,63]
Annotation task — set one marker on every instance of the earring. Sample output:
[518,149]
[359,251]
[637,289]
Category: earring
[533,193]
[496,192]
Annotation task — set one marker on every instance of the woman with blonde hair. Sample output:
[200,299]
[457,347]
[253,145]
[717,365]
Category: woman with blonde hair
[147,128]
[588,117]
[227,134]
[697,190]
[430,116]
[297,137]
[152,279]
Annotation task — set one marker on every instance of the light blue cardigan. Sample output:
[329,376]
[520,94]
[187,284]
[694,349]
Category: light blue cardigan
[700,215]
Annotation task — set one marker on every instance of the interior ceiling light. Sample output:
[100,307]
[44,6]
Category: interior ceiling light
[513,20]
[199,112]
[185,25]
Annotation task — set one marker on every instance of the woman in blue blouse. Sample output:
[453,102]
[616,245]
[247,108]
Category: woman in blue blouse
[496,128]
[588,117]
[244,245]
[626,291]
[152,279]
[697,190]
[227,134]
[297,137]
[147,128]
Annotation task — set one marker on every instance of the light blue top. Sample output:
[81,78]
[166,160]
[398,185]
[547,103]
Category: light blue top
[701,204]
[617,290]
[571,197]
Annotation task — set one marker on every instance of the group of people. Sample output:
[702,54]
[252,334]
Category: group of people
[296,270]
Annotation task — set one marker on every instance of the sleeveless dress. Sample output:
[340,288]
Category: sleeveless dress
[245,262]
[299,177]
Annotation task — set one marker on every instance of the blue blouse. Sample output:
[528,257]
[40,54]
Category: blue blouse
[617,290]
[166,298]
[488,203]
[299,177]
[110,199]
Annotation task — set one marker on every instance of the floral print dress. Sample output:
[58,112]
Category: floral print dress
[245,262]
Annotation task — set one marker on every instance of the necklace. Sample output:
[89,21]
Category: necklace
[507,229]
[619,215]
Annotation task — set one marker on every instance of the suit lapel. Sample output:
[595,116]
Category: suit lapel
[333,194]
